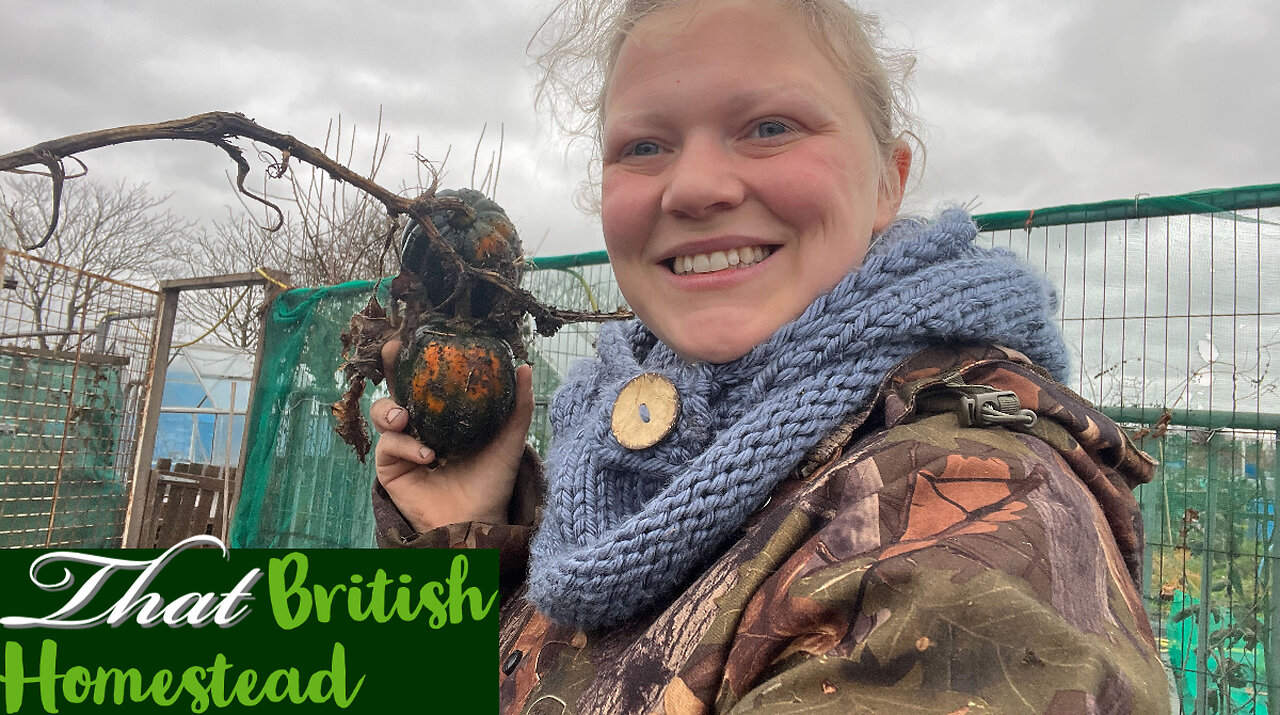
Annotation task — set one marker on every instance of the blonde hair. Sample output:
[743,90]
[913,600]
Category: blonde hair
[578,44]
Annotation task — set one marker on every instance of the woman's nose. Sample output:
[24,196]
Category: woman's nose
[702,180]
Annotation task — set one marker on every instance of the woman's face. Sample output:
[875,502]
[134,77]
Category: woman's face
[741,180]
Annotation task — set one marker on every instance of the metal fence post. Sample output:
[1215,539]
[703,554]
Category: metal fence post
[1272,615]
[1148,502]
[1206,576]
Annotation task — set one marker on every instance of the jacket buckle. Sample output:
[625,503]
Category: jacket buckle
[987,408]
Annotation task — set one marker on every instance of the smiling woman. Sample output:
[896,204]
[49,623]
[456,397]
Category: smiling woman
[727,128]
[827,468]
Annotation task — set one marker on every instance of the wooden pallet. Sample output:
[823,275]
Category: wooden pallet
[185,500]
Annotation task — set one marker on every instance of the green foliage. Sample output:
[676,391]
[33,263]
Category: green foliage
[1215,498]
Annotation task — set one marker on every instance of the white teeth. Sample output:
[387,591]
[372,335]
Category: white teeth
[719,260]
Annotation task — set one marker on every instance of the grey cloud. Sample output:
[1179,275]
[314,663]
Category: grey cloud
[1091,100]
[1030,102]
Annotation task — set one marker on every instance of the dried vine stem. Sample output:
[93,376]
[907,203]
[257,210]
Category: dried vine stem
[218,128]
[215,128]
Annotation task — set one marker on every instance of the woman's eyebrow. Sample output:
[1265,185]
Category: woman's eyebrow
[748,99]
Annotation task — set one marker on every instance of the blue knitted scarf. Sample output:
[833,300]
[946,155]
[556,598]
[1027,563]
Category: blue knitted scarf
[623,530]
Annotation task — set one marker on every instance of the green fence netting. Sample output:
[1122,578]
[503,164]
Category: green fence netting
[302,486]
[1168,303]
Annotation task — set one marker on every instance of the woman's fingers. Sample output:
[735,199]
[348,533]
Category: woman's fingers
[387,416]
[436,492]
[397,446]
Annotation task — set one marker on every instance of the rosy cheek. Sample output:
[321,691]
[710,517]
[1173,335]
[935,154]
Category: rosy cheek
[622,215]
[614,225]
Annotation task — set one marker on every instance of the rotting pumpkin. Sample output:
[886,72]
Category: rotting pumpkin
[459,390]
[457,307]
[455,372]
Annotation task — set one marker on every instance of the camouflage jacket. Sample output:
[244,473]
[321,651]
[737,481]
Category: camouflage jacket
[910,565]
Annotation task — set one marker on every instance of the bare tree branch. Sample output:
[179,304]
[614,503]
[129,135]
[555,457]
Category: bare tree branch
[217,128]
[109,231]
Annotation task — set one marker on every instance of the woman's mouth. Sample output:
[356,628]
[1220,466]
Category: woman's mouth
[719,260]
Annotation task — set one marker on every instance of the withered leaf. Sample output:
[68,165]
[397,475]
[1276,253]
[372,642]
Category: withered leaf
[362,343]
[350,416]
[363,339]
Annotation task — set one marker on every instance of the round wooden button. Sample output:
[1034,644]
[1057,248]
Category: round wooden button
[645,411]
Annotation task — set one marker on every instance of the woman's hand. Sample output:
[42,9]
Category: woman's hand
[474,488]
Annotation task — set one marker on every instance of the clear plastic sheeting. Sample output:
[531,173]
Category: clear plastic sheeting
[206,394]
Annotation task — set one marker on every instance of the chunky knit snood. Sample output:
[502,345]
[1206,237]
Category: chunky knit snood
[623,530]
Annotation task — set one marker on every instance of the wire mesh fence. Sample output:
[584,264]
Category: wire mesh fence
[576,283]
[1210,564]
[75,367]
[1167,302]
[1174,327]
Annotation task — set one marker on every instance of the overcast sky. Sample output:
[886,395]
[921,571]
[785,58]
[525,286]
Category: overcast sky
[1027,103]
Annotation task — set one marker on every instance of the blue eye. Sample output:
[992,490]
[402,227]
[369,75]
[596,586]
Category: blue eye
[643,149]
[770,128]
